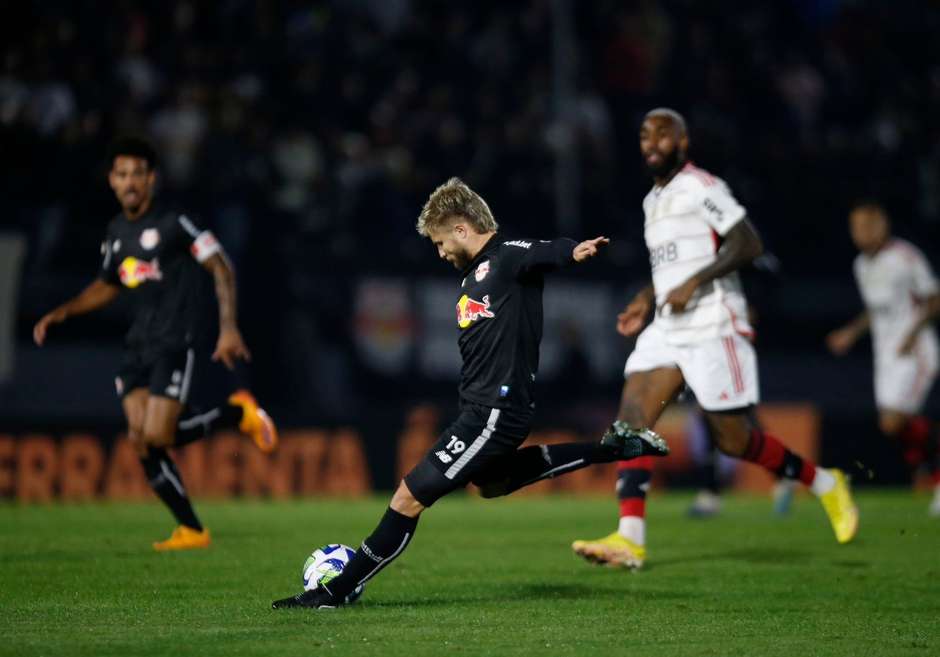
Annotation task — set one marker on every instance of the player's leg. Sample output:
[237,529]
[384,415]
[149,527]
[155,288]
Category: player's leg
[209,408]
[170,378]
[159,433]
[707,502]
[535,463]
[723,375]
[240,410]
[909,430]
[646,394]
[474,440]
[902,385]
[134,403]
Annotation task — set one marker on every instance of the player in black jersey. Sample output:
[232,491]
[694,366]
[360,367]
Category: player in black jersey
[167,265]
[499,328]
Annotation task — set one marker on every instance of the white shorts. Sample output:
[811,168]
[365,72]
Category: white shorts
[722,372]
[902,383]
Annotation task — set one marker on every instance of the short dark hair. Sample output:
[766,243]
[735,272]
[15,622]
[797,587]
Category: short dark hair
[133,147]
[869,203]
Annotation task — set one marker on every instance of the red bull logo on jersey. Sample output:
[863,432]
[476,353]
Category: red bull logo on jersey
[133,271]
[470,310]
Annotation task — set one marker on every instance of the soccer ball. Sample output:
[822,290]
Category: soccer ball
[325,564]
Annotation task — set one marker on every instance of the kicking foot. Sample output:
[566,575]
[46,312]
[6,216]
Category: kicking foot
[841,509]
[613,550]
[318,598]
[629,443]
[255,422]
[184,538]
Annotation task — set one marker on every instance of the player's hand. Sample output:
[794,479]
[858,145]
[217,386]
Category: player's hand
[907,347]
[231,347]
[633,317]
[679,297]
[589,248]
[840,341]
[57,316]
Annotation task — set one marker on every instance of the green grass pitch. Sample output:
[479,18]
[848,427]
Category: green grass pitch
[480,578]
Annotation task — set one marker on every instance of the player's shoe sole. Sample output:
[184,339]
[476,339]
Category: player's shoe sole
[184,538]
[841,509]
[255,421]
[630,443]
[313,599]
[613,550]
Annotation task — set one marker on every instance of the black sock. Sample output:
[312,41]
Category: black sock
[166,482]
[200,425]
[388,540]
[531,464]
[708,477]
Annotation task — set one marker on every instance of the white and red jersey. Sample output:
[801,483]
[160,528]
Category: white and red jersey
[894,283]
[685,221]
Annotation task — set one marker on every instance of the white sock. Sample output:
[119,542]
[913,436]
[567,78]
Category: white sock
[823,482]
[633,528]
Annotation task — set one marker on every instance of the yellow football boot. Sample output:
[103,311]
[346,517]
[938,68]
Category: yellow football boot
[255,422]
[841,509]
[184,538]
[613,550]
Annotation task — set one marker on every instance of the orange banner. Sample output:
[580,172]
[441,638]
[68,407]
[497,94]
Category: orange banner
[38,468]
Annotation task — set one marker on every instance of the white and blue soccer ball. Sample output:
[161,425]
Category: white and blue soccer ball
[327,562]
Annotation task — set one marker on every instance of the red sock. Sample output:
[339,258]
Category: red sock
[633,479]
[913,438]
[767,451]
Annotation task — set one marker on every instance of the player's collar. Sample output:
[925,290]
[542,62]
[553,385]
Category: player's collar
[489,246]
[152,211]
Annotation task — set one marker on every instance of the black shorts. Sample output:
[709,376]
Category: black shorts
[466,450]
[168,373]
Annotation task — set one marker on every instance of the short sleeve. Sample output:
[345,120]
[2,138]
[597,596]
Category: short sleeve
[108,271]
[925,283]
[201,242]
[719,207]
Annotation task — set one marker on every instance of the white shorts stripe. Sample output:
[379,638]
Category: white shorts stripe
[475,447]
[177,484]
[733,364]
[203,419]
[187,376]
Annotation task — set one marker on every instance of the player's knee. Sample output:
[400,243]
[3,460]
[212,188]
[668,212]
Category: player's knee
[405,503]
[891,424]
[152,438]
[732,440]
[136,438]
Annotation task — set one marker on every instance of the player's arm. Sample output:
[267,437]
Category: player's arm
[230,345]
[96,295]
[843,339]
[741,245]
[549,255]
[929,313]
[927,288]
[633,318]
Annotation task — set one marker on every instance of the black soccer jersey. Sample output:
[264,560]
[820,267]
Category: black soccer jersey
[499,319]
[156,259]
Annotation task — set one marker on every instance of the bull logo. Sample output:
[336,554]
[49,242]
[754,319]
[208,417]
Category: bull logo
[470,310]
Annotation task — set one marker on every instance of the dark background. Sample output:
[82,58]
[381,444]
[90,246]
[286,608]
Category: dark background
[307,135]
